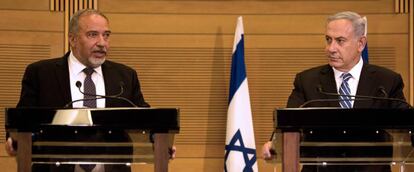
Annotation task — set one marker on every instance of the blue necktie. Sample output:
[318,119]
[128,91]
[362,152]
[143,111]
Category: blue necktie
[89,89]
[345,90]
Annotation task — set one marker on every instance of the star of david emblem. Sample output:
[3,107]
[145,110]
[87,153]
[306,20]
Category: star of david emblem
[240,148]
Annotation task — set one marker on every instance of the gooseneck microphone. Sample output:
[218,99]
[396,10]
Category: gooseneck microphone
[329,100]
[116,96]
[355,97]
[382,89]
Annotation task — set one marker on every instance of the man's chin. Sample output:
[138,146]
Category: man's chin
[335,64]
[96,62]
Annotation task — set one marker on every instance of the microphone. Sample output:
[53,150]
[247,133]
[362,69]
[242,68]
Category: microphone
[116,96]
[328,100]
[354,97]
[382,89]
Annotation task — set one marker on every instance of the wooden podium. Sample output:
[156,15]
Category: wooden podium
[292,124]
[103,136]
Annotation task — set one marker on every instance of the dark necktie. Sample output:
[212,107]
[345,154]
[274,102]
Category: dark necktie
[87,167]
[345,90]
[89,89]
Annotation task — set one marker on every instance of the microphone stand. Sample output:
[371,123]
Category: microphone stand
[116,96]
[329,100]
[353,97]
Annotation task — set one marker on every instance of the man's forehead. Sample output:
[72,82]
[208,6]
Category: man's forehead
[95,29]
[92,16]
[339,28]
[89,23]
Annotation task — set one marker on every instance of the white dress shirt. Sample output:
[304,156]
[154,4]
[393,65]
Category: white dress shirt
[76,74]
[353,81]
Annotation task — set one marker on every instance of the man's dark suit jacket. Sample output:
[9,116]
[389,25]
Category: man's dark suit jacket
[308,82]
[306,87]
[46,84]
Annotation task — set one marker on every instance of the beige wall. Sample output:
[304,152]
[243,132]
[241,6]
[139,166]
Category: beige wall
[182,53]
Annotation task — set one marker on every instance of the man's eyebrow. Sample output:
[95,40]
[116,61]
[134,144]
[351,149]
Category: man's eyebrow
[107,31]
[341,37]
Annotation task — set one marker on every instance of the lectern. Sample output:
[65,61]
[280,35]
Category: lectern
[329,137]
[111,136]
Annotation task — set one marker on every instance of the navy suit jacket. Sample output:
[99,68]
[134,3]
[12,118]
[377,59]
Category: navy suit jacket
[308,82]
[46,84]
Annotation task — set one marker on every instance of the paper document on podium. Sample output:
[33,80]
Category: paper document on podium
[74,117]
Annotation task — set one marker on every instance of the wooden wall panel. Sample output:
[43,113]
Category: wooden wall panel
[31,5]
[238,7]
[32,21]
[181,50]
[253,24]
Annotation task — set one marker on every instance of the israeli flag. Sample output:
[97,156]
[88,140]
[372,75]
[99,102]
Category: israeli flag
[365,50]
[240,155]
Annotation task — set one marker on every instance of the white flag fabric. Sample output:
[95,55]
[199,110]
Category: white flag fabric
[240,149]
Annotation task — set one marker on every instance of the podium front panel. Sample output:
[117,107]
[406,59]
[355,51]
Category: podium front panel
[395,150]
[333,139]
[111,147]
[99,136]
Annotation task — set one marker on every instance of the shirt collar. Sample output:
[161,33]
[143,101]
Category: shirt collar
[355,71]
[76,67]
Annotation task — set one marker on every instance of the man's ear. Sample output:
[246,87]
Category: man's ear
[72,38]
[362,42]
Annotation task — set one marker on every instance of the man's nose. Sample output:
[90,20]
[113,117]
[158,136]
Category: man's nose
[101,41]
[331,47]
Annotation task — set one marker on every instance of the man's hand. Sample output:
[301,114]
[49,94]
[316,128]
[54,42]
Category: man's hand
[9,147]
[268,152]
[172,151]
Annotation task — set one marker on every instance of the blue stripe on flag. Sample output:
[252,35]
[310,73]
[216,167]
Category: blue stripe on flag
[365,54]
[238,69]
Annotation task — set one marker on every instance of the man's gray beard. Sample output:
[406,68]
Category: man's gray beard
[95,62]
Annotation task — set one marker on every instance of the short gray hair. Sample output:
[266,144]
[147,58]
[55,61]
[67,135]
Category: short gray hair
[358,23]
[74,20]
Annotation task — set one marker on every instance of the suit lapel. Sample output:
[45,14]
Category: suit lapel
[366,81]
[111,82]
[327,80]
[62,76]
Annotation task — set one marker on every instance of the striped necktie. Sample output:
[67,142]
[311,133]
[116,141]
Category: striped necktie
[345,101]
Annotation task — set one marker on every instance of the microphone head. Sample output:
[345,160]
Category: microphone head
[78,84]
[121,84]
[319,88]
[382,89]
